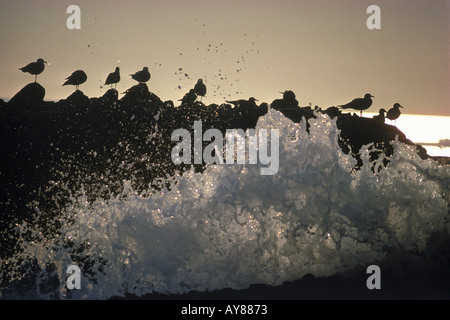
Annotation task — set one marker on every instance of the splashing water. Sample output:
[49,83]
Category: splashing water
[230,227]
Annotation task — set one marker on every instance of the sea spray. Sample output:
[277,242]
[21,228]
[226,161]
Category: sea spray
[230,226]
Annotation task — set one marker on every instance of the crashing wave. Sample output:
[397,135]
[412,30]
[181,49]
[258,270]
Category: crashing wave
[230,226]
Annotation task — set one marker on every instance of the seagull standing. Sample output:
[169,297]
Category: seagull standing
[113,78]
[289,98]
[34,68]
[394,112]
[200,88]
[141,76]
[76,78]
[380,117]
[359,103]
[189,98]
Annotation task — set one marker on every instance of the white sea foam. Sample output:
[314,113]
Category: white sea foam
[232,227]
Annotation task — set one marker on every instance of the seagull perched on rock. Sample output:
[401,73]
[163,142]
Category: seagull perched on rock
[380,116]
[141,76]
[394,112]
[359,103]
[34,68]
[287,103]
[200,88]
[238,103]
[289,98]
[76,78]
[113,78]
[189,98]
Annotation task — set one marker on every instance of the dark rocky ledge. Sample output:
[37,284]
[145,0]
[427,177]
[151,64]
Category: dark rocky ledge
[77,139]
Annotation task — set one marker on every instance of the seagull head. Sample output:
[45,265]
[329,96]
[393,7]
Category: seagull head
[145,69]
[41,60]
[368,96]
[397,105]
[382,111]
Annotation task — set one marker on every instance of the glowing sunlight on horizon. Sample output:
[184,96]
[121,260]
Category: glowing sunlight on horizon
[424,129]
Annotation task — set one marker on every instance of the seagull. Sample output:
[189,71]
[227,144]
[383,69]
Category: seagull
[380,116]
[34,67]
[394,112]
[359,103]
[113,78]
[76,78]
[200,88]
[141,76]
[189,98]
[237,103]
[289,98]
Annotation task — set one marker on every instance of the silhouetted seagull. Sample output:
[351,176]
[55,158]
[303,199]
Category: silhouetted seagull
[394,112]
[34,68]
[200,88]
[380,116]
[76,78]
[141,76]
[289,98]
[359,103]
[113,78]
[189,98]
[237,103]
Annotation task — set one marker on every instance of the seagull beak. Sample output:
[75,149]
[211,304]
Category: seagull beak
[401,107]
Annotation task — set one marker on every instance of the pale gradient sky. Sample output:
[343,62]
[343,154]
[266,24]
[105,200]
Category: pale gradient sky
[322,50]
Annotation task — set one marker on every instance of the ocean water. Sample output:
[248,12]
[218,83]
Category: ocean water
[230,226]
[424,129]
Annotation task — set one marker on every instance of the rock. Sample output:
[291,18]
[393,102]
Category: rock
[140,94]
[30,95]
[77,97]
[110,96]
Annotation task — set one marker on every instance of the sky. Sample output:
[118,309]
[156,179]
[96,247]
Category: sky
[321,49]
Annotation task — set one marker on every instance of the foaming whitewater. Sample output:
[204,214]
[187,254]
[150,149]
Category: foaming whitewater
[230,226]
